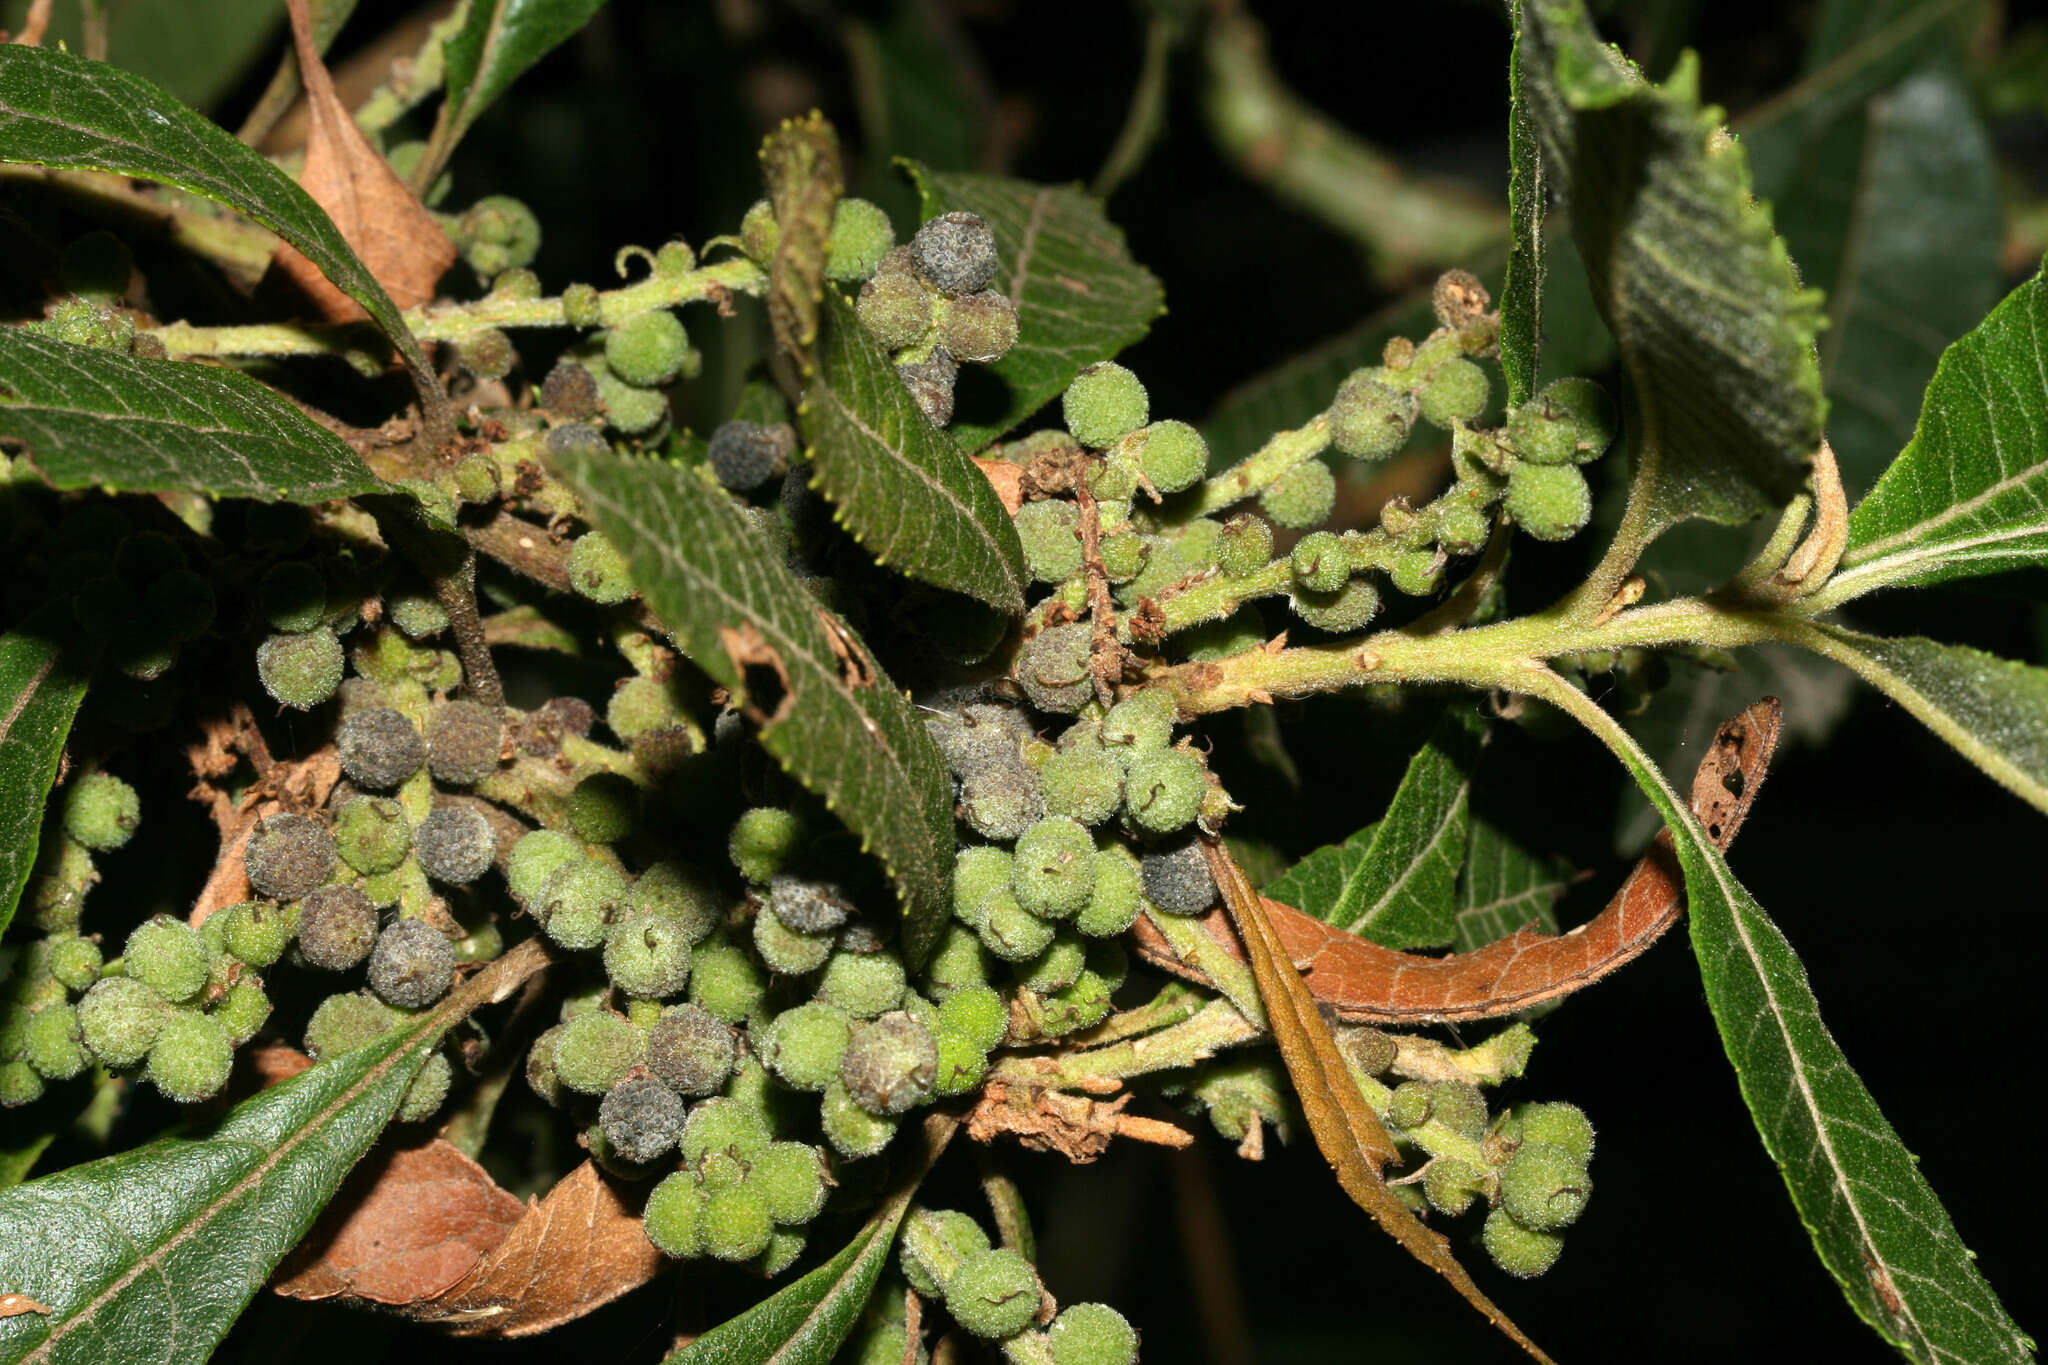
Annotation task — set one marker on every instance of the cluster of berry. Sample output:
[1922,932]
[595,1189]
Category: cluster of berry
[994,1293]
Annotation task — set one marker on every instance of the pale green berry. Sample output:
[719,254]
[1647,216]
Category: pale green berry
[726,983]
[979,328]
[934,1245]
[1057,968]
[959,962]
[1417,573]
[1346,609]
[759,232]
[853,1131]
[787,951]
[257,933]
[1550,502]
[535,858]
[976,1015]
[630,410]
[168,956]
[1105,401]
[1302,497]
[648,349]
[300,670]
[1456,391]
[101,812]
[1564,1125]
[674,1216]
[191,1057]
[597,570]
[244,1010]
[345,1022]
[1247,545]
[791,1176]
[977,870]
[1451,1184]
[427,1091]
[1544,1187]
[1173,455]
[52,1043]
[1010,931]
[74,961]
[727,1126]
[993,1294]
[119,1019]
[1053,872]
[861,236]
[1140,722]
[1163,789]
[804,1046]
[1320,562]
[604,807]
[579,901]
[735,1224]
[1114,903]
[865,985]
[763,841]
[896,306]
[1570,422]
[1521,1252]
[647,955]
[1086,784]
[595,1050]
[1050,531]
[1092,1334]
[1369,420]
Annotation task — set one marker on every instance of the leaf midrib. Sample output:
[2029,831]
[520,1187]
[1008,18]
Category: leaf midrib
[1422,855]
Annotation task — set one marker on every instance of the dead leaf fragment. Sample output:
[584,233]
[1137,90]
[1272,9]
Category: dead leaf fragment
[1007,479]
[389,229]
[14,1305]
[408,1225]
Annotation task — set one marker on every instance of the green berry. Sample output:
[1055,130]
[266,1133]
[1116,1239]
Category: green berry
[595,1050]
[726,983]
[380,748]
[429,1089]
[1173,455]
[1562,1125]
[1544,1187]
[119,1019]
[728,1126]
[759,233]
[647,955]
[191,1057]
[736,1224]
[1247,545]
[476,479]
[1085,784]
[1124,555]
[1140,722]
[535,858]
[1550,502]
[74,961]
[993,1294]
[896,307]
[979,328]
[462,743]
[1320,562]
[956,252]
[786,951]
[1346,609]
[1053,873]
[243,1010]
[889,1064]
[853,1131]
[977,870]
[101,812]
[412,965]
[604,808]
[791,1176]
[1050,531]
[861,236]
[763,841]
[1521,1252]
[416,615]
[1409,1107]
[597,570]
[20,1084]
[641,706]
[345,1022]
[302,670]
[1450,1184]
[257,933]
[372,834]
[1084,1004]
[52,1045]
[1177,879]
[1001,800]
[935,1244]
[804,1046]
[863,984]
[629,410]
[1456,391]
[168,956]
[1459,1107]
[674,1216]
[1058,967]
[1163,790]
[486,354]
[1417,573]
[1092,1334]
[641,1118]
[647,349]
[579,901]
[454,844]
[958,963]
[1105,401]
[1055,668]
[961,1066]
[540,1067]
[1114,903]
[689,1051]
[1010,931]
[679,893]
[498,233]
[1569,422]
[1302,497]
[976,1015]
[1370,420]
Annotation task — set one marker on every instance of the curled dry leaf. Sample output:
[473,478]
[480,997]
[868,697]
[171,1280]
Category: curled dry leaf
[408,1225]
[1358,981]
[396,238]
[1075,1126]
[1007,479]
[14,1305]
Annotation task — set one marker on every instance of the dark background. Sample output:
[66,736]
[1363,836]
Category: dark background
[1909,883]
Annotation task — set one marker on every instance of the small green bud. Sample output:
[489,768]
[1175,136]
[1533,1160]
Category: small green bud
[342,1023]
[865,985]
[976,1015]
[641,1118]
[1463,525]
[1050,531]
[101,812]
[674,1216]
[934,1246]
[979,328]
[725,983]
[416,615]
[1451,1184]
[736,1225]
[1010,931]
[1092,1334]
[1140,722]
[783,1250]
[759,233]
[1247,545]
[1055,969]
[1173,455]
[641,706]
[1409,1107]
[302,670]
[1550,502]
[896,306]
[598,571]
[993,1294]
[454,844]
[647,955]
[1456,391]
[581,306]
[257,933]
[1054,668]
[74,961]
[191,1057]
[648,349]
[1114,903]
[1346,609]
[1459,1107]
[52,1045]
[1320,562]
[579,901]
[889,1064]
[1163,790]
[1569,422]
[791,1177]
[1418,573]
[1519,1251]
[763,841]
[604,807]
[476,479]
[1053,873]
[956,252]
[1544,1187]
[595,1050]
[535,858]
[1302,497]
[243,1010]
[1105,401]
[498,233]
[1123,555]
[412,965]
[119,1019]
[1368,419]
[20,1084]
[168,956]
[978,870]
[1001,800]
[861,236]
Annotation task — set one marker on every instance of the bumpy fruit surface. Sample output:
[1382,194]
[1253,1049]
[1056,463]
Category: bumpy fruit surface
[1456,391]
[1105,401]
[1092,1334]
[1054,668]
[168,956]
[956,252]
[1302,497]
[993,1294]
[454,844]
[889,1064]
[641,1117]
[1174,456]
[1550,502]
[380,747]
[1050,532]
[412,965]
[1544,1187]
[598,571]
[119,1019]
[861,236]
[462,743]
[1369,420]
[595,1050]
[1163,790]
[191,1057]
[101,812]
[301,670]
[689,1051]
[1521,1252]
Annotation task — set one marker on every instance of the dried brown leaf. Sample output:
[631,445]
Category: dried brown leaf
[410,1223]
[396,238]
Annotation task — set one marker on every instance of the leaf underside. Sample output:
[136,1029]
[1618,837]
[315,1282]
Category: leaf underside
[1504,887]
[498,41]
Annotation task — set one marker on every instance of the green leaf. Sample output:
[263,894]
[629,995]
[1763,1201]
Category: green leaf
[19,1155]
[804,1322]
[41,686]
[196,52]
[1992,711]
[826,709]
[1504,886]
[95,418]
[1965,498]
[1521,302]
[1080,297]
[64,111]
[1892,206]
[1876,1224]
[1396,882]
[150,1255]
[1716,333]
[499,40]
[903,488]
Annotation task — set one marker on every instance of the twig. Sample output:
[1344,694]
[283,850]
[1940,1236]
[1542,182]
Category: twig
[1105,655]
